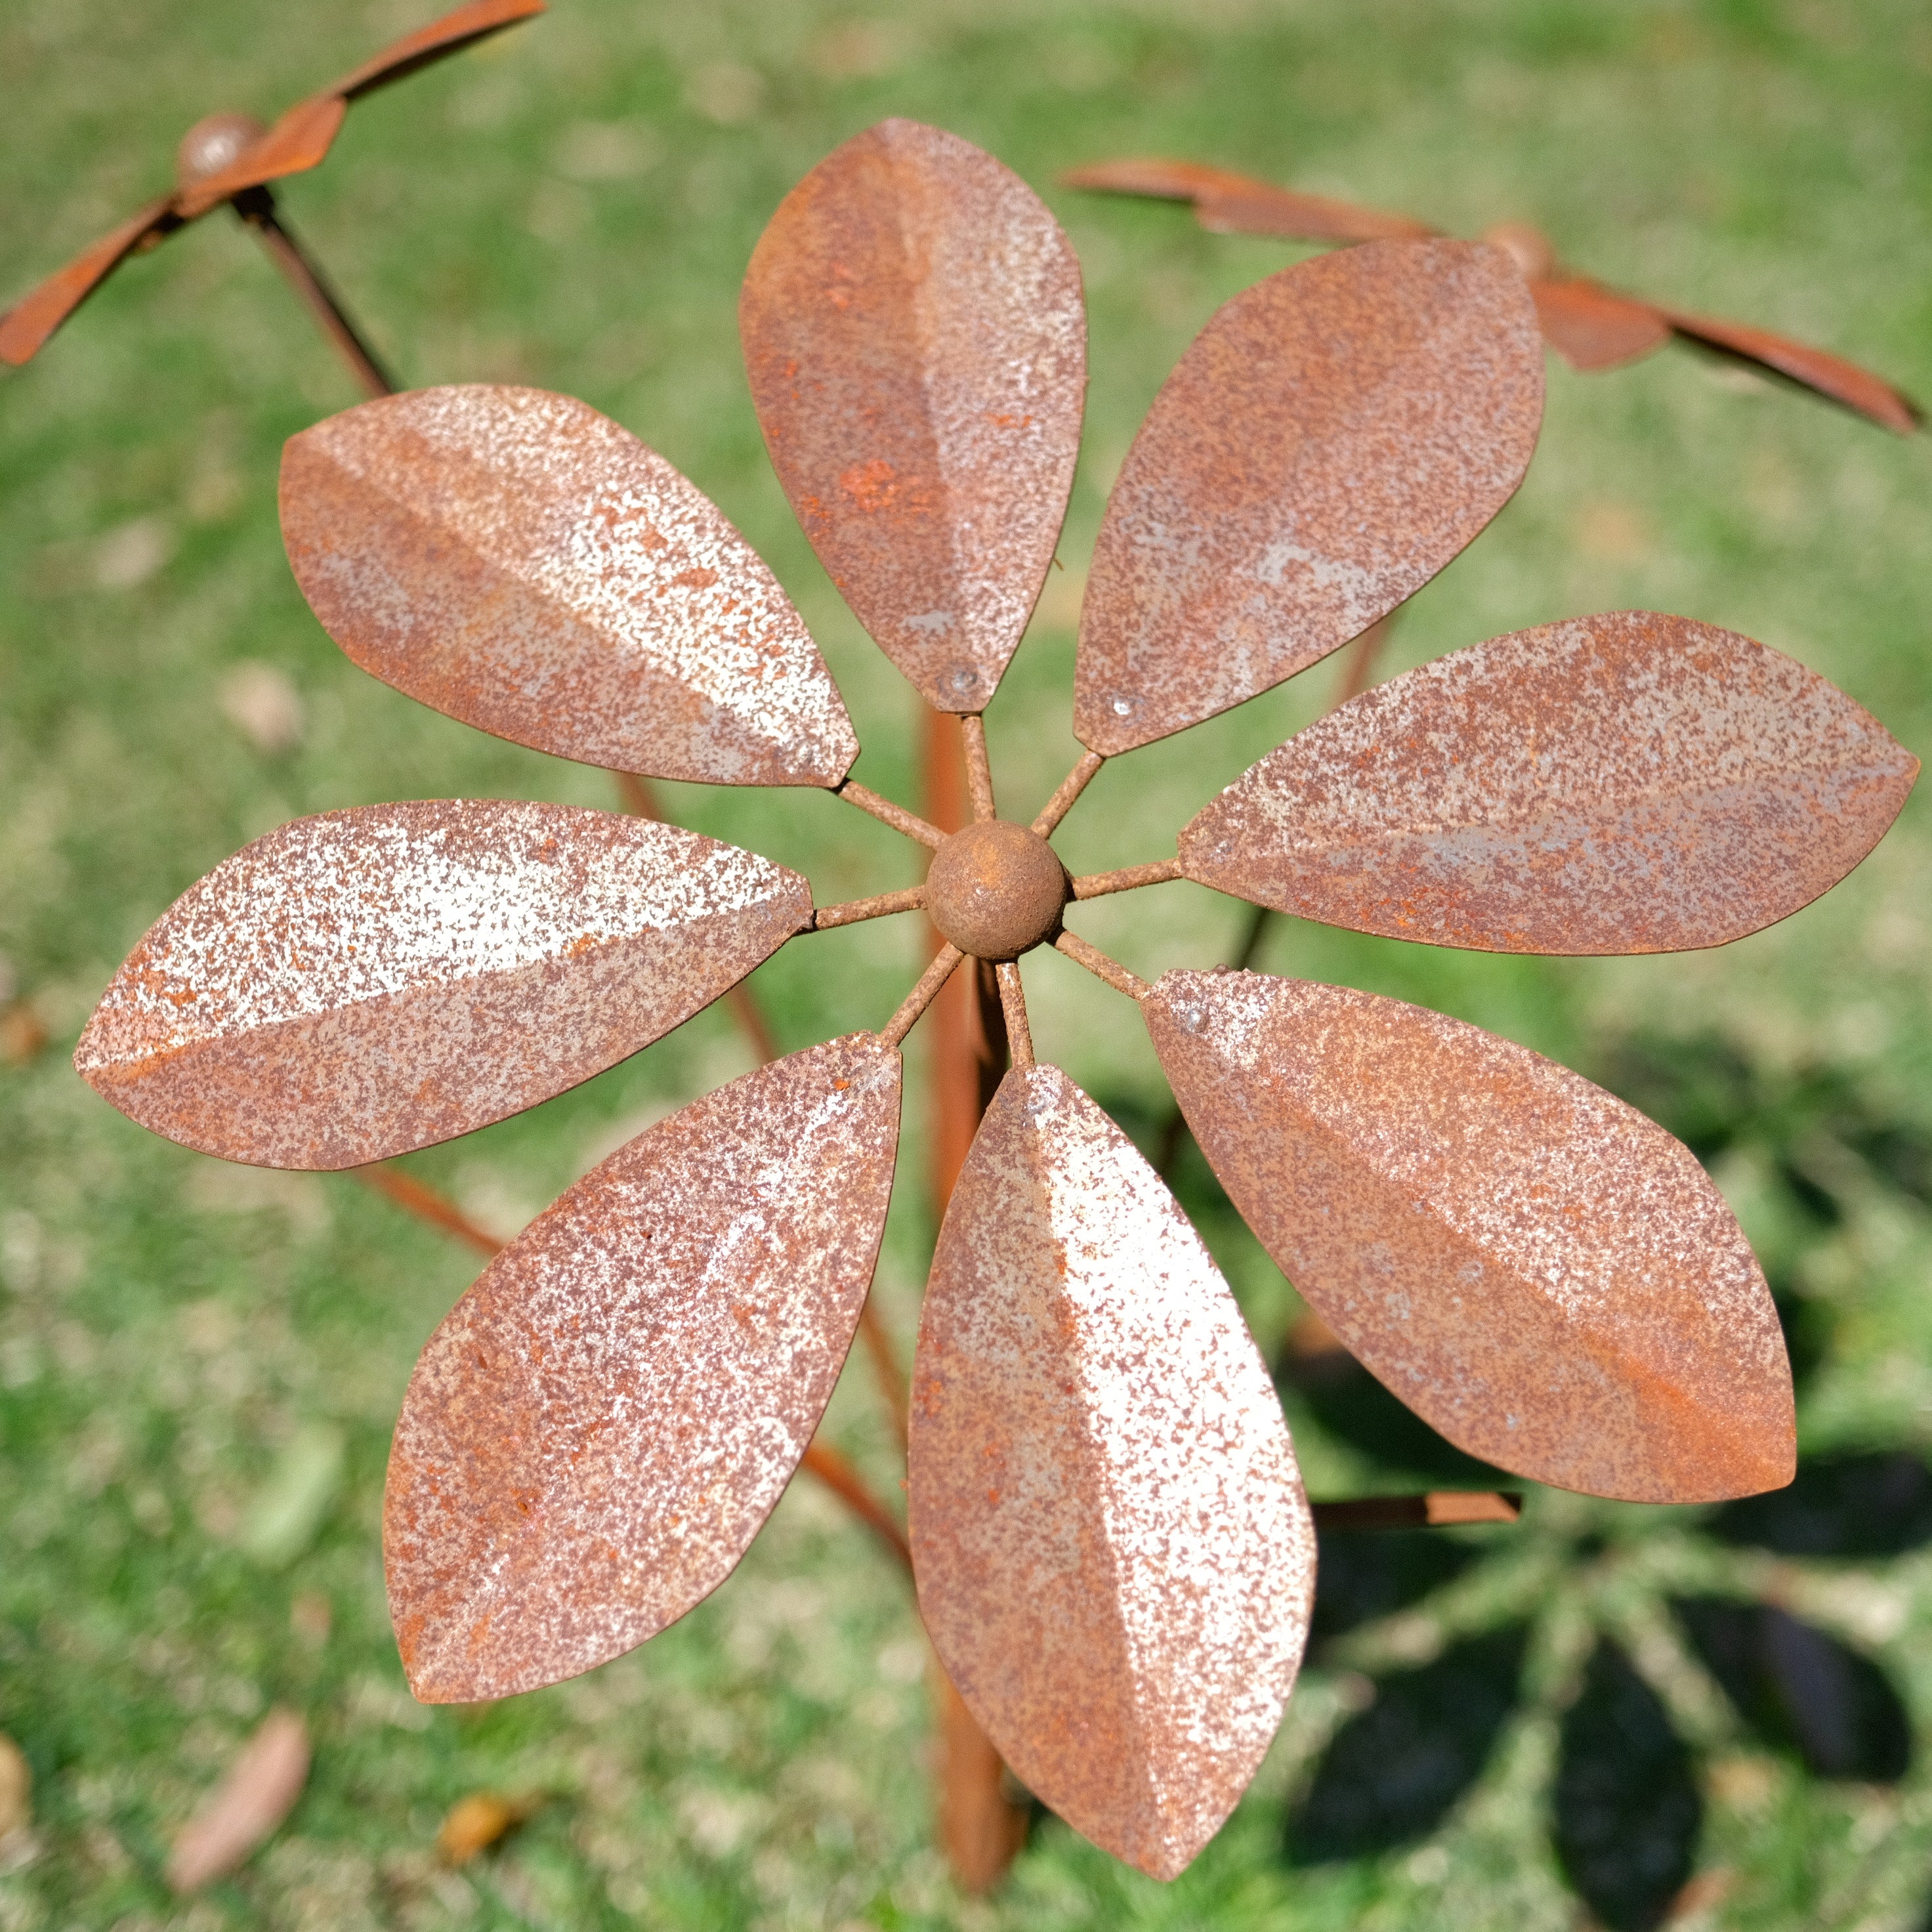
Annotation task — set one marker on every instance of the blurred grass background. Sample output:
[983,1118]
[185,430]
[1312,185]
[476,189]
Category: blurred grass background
[199,1365]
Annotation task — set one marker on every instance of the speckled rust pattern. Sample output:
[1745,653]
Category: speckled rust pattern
[916,340]
[1543,1274]
[1333,437]
[1630,783]
[519,561]
[1114,1556]
[365,982]
[596,1433]
[996,889]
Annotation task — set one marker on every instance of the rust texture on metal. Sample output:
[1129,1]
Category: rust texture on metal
[1114,1554]
[1066,793]
[1437,1509]
[1126,879]
[225,157]
[1547,1277]
[996,889]
[849,912]
[941,967]
[603,1423]
[1098,963]
[1329,441]
[1590,326]
[519,561]
[914,827]
[916,340]
[1628,783]
[366,981]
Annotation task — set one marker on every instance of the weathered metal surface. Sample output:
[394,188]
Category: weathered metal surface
[42,310]
[1545,1276]
[1629,783]
[1114,1553]
[596,1433]
[916,341]
[212,144]
[522,563]
[1226,203]
[1593,328]
[363,982]
[461,27]
[1332,439]
[1831,375]
[995,890]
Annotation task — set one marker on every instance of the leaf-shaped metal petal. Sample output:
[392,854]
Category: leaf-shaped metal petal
[43,309]
[916,341]
[1114,1556]
[1629,783]
[363,982]
[519,561]
[1333,436]
[1544,1275]
[1831,375]
[461,27]
[1592,327]
[596,1433]
[1235,204]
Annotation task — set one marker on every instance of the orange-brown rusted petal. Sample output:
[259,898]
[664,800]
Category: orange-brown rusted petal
[1334,436]
[520,562]
[461,27]
[1114,1553]
[1831,375]
[1240,205]
[41,311]
[1630,783]
[916,340]
[363,982]
[299,140]
[1592,327]
[1541,1273]
[595,1434]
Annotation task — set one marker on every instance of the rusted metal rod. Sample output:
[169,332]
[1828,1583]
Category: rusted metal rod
[944,962]
[1012,1002]
[1098,963]
[1436,1509]
[256,208]
[1069,789]
[896,816]
[1127,879]
[838,1475]
[426,1204]
[979,767]
[849,912]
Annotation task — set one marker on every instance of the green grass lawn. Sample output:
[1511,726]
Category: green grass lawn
[199,1365]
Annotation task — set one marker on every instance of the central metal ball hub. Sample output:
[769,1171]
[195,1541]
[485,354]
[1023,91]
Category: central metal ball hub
[996,889]
[209,145]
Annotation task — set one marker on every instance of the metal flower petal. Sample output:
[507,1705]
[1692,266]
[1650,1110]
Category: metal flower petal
[520,562]
[1544,1275]
[362,983]
[1333,437]
[1232,203]
[1629,783]
[601,1425]
[1591,327]
[916,341]
[1114,1556]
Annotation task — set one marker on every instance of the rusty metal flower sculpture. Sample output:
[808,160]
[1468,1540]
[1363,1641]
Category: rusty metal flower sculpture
[1112,1544]
[233,158]
[1591,326]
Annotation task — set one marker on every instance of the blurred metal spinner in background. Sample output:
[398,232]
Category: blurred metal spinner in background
[233,158]
[1111,1545]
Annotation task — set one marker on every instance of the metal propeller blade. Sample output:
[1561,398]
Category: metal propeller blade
[1330,440]
[302,137]
[363,982]
[1226,203]
[916,340]
[594,1436]
[1629,783]
[1544,1275]
[1114,1555]
[1593,328]
[519,562]
[39,312]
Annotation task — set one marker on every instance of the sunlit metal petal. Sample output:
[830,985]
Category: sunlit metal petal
[1592,327]
[1544,1275]
[1334,436]
[520,562]
[42,310]
[916,340]
[1114,1555]
[601,1427]
[1830,375]
[366,981]
[1628,783]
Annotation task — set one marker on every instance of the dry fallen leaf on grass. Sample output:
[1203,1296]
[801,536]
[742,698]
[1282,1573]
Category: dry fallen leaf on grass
[245,1808]
[474,1823]
[17,1788]
[22,1032]
[261,704]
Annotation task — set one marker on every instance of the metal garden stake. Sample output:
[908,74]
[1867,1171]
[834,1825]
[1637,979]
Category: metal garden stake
[1113,1553]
